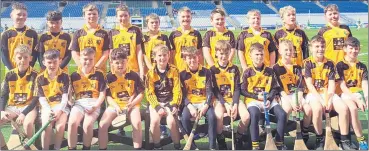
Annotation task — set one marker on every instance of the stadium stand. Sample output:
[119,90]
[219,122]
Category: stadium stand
[199,5]
[241,7]
[74,9]
[348,6]
[301,6]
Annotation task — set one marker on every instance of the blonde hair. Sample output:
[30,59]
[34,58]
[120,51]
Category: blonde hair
[284,10]
[223,45]
[160,48]
[286,42]
[216,11]
[22,49]
[316,39]
[184,9]
[123,8]
[190,51]
[251,12]
[256,47]
[89,7]
[19,6]
[152,16]
[331,7]
[88,51]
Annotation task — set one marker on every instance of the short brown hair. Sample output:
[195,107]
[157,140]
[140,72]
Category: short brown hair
[331,7]
[152,16]
[216,11]
[223,45]
[52,54]
[54,16]
[122,7]
[88,51]
[256,46]
[315,39]
[90,7]
[22,49]
[117,53]
[352,41]
[286,42]
[190,51]
[19,6]
[160,48]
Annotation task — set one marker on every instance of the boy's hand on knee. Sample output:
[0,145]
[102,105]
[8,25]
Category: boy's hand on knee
[118,110]
[174,111]
[234,111]
[162,112]
[329,106]
[57,114]
[204,109]
[260,97]
[267,104]
[20,118]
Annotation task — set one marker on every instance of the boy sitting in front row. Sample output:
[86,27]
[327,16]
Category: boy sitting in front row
[320,77]
[89,91]
[163,93]
[52,89]
[353,78]
[125,92]
[197,94]
[257,79]
[17,93]
[226,82]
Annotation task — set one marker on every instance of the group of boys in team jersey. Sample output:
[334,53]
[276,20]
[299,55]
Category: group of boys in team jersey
[171,73]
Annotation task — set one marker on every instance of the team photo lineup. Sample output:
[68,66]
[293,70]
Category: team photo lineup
[180,78]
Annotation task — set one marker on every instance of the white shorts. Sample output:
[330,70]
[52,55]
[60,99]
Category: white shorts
[198,106]
[56,108]
[292,97]
[15,109]
[310,97]
[86,103]
[345,96]
[260,104]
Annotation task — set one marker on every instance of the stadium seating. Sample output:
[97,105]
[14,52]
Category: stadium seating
[241,7]
[348,6]
[301,6]
[74,9]
[197,5]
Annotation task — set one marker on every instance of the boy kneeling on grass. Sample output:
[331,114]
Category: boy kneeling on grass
[89,90]
[125,92]
[17,99]
[163,92]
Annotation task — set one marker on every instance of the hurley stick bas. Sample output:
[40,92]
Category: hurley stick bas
[269,142]
[299,142]
[190,138]
[329,143]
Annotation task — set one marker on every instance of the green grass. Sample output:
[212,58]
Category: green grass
[361,34]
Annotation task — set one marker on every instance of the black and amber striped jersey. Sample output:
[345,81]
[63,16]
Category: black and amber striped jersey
[163,87]
[353,75]
[320,73]
[13,37]
[196,85]
[18,88]
[59,41]
[334,39]
[211,37]
[88,86]
[128,39]
[121,88]
[179,40]
[98,40]
[248,37]
[257,80]
[299,40]
[52,89]
[226,83]
[151,42]
[288,78]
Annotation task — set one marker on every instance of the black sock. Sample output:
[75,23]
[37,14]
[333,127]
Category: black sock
[4,148]
[103,149]
[239,135]
[86,148]
[305,129]
[138,148]
[344,137]
[72,148]
[319,137]
[157,145]
[177,146]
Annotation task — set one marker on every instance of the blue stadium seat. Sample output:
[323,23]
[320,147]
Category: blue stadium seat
[200,5]
[74,9]
[301,7]
[348,6]
[242,7]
